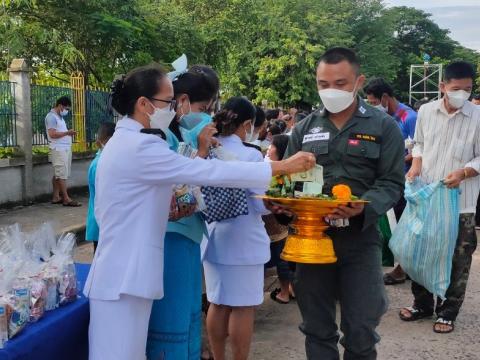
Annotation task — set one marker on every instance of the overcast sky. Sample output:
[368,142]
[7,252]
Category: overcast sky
[461,17]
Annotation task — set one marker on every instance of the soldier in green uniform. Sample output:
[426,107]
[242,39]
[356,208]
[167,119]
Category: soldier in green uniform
[361,147]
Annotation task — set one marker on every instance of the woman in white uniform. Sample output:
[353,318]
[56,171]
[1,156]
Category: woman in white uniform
[134,183]
[238,248]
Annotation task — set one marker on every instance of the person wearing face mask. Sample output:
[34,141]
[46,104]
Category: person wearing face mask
[256,138]
[380,95]
[447,147]
[180,310]
[238,248]
[134,180]
[60,145]
[363,148]
[105,132]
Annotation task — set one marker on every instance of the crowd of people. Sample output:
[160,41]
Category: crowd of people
[145,283]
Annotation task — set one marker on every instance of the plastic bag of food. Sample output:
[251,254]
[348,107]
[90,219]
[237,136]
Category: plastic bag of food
[18,309]
[50,278]
[3,324]
[63,266]
[38,298]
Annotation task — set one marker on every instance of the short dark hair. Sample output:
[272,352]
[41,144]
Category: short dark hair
[64,101]
[272,114]
[459,70]
[234,113]
[105,131]
[338,54]
[142,81]
[280,142]
[377,87]
[259,117]
[282,125]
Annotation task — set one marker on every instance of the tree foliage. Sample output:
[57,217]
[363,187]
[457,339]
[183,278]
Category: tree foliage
[263,49]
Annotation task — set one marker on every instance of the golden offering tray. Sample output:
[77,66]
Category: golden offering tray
[308,243]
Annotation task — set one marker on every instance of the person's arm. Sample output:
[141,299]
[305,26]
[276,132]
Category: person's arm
[54,134]
[417,152]
[51,124]
[471,168]
[158,164]
[259,206]
[388,186]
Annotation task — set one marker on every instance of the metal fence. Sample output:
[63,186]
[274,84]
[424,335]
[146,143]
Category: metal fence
[97,112]
[43,100]
[8,130]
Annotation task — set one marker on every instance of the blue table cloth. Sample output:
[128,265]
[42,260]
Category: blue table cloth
[62,334]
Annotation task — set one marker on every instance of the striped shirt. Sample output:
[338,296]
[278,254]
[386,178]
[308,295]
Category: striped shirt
[449,142]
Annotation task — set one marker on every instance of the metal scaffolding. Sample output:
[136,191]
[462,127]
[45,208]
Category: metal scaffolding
[425,82]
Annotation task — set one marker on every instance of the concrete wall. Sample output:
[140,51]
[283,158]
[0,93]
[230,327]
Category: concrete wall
[11,184]
[11,176]
[42,176]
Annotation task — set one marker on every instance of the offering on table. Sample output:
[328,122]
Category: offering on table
[3,324]
[68,285]
[51,284]
[38,299]
[18,310]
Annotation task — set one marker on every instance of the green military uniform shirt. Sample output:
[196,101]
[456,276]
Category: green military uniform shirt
[367,154]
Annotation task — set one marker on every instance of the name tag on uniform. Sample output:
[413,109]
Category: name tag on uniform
[365,137]
[316,137]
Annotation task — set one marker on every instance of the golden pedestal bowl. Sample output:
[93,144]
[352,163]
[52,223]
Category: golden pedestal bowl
[308,243]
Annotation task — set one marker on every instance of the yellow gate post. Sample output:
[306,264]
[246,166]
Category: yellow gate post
[78,111]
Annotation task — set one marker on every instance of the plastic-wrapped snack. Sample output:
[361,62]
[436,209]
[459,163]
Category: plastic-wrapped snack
[38,299]
[3,324]
[51,285]
[61,264]
[68,285]
[197,193]
[18,310]
[184,197]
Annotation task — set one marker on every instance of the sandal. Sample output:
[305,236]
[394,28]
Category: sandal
[416,314]
[390,280]
[58,202]
[273,296]
[443,321]
[72,203]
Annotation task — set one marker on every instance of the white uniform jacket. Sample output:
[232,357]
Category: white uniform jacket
[134,183]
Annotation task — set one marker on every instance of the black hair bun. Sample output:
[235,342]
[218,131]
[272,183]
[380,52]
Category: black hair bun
[117,96]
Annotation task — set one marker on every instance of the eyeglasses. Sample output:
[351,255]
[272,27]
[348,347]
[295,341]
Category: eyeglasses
[173,103]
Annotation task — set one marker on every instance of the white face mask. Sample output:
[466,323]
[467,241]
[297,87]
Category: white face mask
[64,112]
[381,107]
[335,100]
[456,99]
[161,118]
[252,137]
[249,135]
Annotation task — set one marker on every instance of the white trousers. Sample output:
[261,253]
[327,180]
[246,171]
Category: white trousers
[118,328]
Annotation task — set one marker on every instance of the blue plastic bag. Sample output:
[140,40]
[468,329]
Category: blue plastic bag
[424,240]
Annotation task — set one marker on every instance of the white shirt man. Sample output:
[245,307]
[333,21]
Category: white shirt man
[60,144]
[447,147]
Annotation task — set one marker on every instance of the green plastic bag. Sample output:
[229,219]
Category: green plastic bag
[385,235]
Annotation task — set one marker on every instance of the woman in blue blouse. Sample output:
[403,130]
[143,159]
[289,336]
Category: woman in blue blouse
[105,132]
[175,321]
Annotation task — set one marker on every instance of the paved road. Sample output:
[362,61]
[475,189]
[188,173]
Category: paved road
[277,336]
[276,332]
